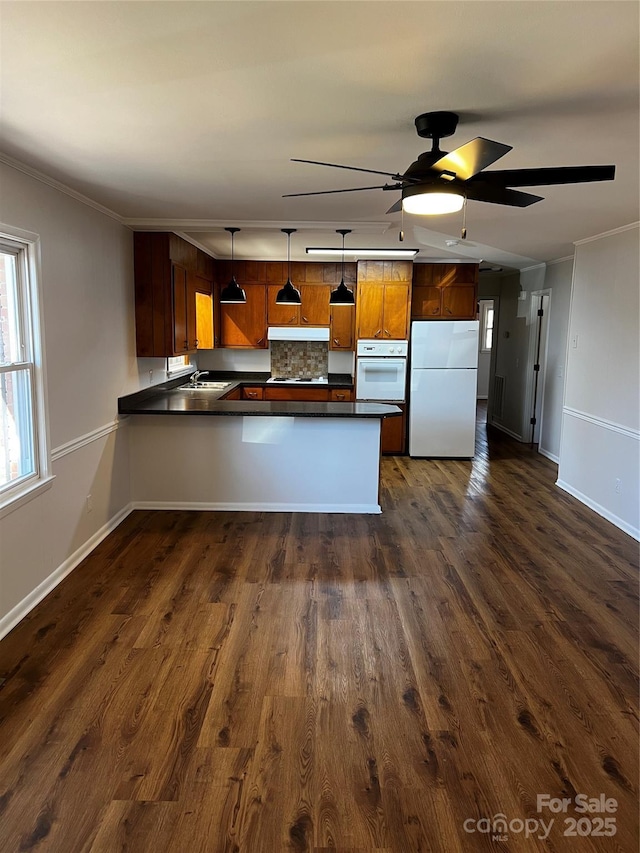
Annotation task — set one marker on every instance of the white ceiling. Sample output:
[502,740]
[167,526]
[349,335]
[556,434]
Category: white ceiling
[185,115]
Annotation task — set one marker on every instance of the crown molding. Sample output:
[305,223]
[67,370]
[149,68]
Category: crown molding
[561,260]
[19,166]
[613,231]
[195,225]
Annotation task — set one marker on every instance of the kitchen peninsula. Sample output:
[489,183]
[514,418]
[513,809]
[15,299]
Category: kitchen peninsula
[193,449]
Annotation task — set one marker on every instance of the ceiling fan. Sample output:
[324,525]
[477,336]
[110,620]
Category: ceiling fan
[440,182]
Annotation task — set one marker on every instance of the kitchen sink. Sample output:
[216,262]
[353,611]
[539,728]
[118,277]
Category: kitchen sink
[212,386]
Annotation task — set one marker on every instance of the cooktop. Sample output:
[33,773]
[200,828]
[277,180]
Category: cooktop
[319,380]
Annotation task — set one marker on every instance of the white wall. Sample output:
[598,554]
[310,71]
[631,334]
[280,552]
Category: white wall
[599,459]
[558,280]
[88,317]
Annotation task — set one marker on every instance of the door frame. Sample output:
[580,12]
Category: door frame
[532,321]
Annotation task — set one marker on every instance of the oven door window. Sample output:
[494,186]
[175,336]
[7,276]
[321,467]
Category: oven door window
[381,379]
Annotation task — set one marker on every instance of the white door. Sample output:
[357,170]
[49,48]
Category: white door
[442,413]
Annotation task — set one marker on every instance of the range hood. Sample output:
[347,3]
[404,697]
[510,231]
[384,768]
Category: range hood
[298,333]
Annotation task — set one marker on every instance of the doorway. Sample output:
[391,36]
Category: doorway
[537,362]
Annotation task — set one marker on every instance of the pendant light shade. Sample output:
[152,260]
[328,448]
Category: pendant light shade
[288,295]
[232,293]
[342,295]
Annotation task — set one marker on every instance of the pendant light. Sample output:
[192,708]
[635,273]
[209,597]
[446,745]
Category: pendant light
[342,295]
[288,295]
[232,293]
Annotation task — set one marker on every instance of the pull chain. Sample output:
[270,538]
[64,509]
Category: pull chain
[463,233]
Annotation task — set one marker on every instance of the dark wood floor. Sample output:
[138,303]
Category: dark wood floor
[269,682]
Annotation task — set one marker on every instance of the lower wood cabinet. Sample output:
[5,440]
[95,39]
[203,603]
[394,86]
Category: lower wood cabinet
[302,395]
[393,439]
[253,393]
[236,394]
[341,395]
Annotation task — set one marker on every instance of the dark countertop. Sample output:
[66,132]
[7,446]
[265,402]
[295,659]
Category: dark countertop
[170,399]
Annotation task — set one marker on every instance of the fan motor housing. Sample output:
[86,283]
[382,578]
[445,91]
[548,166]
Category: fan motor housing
[436,125]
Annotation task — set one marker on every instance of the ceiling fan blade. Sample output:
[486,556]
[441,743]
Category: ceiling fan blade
[396,208]
[479,191]
[350,190]
[471,158]
[549,176]
[393,175]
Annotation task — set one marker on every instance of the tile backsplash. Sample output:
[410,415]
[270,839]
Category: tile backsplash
[306,359]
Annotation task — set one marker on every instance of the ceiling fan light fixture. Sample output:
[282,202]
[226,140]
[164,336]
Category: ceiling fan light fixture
[430,201]
[288,295]
[232,294]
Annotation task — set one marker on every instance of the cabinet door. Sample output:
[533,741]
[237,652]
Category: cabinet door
[396,305]
[393,433]
[245,325]
[280,315]
[342,323]
[204,321]
[459,302]
[370,310]
[426,302]
[179,302]
[314,310]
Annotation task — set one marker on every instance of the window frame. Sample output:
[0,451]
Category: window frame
[26,246]
[486,305]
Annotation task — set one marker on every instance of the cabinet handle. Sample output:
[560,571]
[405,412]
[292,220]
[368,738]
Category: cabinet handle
[186,344]
[293,319]
[378,333]
[436,311]
[448,310]
[336,342]
[252,394]
[304,320]
[339,396]
[260,341]
[387,333]
[197,343]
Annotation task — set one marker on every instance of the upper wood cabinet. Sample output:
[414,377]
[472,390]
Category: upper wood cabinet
[384,292]
[171,278]
[243,325]
[444,291]
[315,282]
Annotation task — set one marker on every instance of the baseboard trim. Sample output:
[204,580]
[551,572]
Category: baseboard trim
[17,613]
[507,431]
[361,509]
[634,532]
[549,455]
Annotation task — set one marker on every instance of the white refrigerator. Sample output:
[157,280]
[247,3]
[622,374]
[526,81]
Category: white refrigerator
[443,385]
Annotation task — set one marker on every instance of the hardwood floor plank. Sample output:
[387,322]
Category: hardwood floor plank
[267,682]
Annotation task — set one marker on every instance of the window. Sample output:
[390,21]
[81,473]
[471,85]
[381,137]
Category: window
[178,364]
[24,460]
[486,325]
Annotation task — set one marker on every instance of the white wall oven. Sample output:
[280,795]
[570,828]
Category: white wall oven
[381,371]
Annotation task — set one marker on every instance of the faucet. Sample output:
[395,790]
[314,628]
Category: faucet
[194,377]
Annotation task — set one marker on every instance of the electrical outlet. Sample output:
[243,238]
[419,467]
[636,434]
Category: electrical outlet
[89,503]
[618,485]
[574,342]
